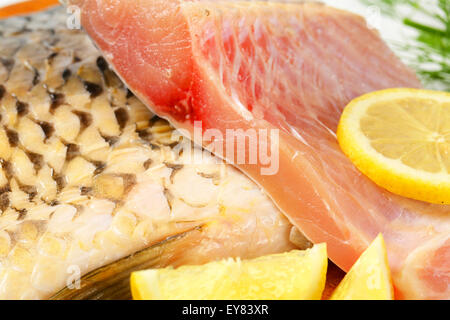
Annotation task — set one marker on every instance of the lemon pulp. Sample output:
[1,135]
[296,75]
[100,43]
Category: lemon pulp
[369,278]
[293,275]
[400,139]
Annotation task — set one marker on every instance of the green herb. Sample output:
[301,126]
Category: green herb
[429,51]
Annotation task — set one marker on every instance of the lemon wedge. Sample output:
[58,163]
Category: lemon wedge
[293,275]
[369,278]
[400,139]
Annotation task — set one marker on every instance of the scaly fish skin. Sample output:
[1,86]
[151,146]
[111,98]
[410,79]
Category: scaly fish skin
[89,175]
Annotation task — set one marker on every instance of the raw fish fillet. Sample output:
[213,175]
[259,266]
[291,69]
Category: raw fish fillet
[89,175]
[289,66]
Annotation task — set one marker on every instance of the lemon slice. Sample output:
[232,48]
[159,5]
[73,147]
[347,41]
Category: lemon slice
[369,278]
[293,275]
[400,139]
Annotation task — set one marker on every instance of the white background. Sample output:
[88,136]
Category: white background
[7,2]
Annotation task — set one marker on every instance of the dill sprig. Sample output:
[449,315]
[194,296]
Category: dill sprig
[429,52]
